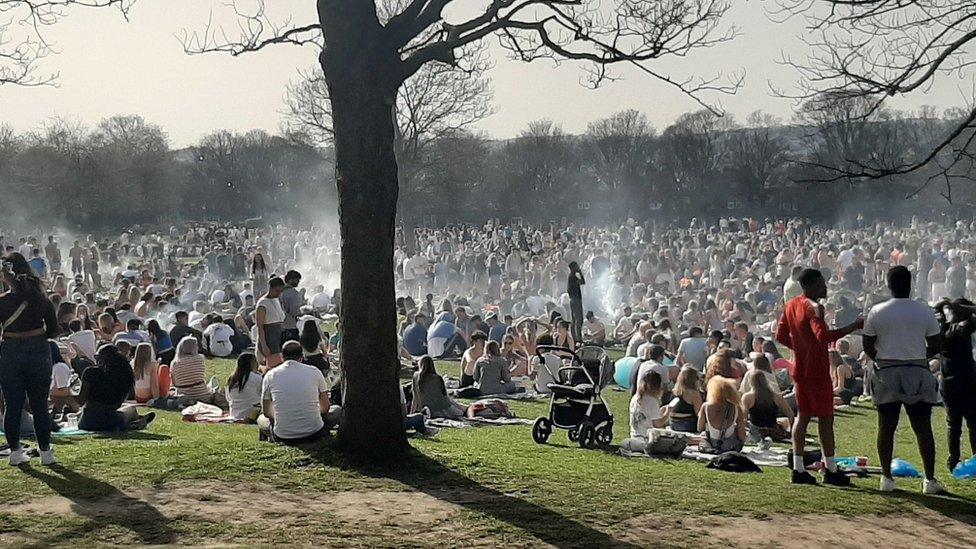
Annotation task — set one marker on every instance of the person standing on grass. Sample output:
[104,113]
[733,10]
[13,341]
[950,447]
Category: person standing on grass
[802,328]
[901,335]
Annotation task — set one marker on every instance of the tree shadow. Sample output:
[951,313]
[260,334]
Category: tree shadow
[103,504]
[953,506]
[433,478]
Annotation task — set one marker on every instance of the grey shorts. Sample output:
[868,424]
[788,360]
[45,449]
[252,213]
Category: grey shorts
[904,384]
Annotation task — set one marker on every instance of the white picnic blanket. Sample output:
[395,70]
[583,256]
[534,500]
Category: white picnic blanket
[773,457]
[477,422]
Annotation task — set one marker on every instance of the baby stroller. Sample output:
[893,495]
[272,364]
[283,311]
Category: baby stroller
[576,404]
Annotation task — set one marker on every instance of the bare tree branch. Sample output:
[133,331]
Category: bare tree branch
[22,38]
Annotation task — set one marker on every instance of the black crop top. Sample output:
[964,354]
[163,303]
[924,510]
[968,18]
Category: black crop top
[38,314]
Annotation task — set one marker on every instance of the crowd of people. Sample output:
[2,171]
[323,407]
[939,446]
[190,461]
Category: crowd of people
[700,307]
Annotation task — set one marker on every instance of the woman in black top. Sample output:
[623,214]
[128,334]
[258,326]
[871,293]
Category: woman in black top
[27,319]
[958,373]
[104,388]
[576,299]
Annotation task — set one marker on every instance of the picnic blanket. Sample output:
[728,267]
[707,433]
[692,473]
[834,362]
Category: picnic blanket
[773,457]
[476,422]
[527,395]
[207,413]
[64,432]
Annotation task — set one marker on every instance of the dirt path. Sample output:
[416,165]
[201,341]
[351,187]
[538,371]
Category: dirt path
[235,514]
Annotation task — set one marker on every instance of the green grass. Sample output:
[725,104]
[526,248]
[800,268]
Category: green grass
[556,493]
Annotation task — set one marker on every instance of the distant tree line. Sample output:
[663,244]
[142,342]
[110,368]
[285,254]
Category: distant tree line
[123,171]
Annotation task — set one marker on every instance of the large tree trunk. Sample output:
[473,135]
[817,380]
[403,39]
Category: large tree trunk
[363,79]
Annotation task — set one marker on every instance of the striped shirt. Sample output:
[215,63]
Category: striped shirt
[188,377]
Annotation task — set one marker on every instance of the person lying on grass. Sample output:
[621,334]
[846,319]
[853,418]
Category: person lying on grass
[104,389]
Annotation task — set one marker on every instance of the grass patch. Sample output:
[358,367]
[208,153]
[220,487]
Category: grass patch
[510,488]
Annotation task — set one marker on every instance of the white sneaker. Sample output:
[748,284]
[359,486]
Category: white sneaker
[19,457]
[932,487]
[47,456]
[887,484]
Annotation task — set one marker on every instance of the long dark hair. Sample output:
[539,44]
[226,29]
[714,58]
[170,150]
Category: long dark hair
[111,360]
[254,263]
[24,282]
[241,374]
[310,338]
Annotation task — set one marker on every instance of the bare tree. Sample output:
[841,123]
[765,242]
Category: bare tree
[874,50]
[757,154]
[22,35]
[368,53]
[621,144]
[696,147]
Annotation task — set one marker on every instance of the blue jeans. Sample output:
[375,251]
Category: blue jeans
[25,373]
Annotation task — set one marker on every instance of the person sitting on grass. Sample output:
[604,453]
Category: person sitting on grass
[687,401]
[244,389]
[471,357]
[188,372]
[846,386]
[763,406]
[491,373]
[62,401]
[518,362]
[721,418]
[314,348]
[104,389]
[429,392]
[145,370]
[295,401]
[646,412]
[545,371]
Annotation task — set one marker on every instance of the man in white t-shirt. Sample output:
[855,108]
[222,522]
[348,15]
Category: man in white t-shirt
[218,336]
[653,362]
[901,335]
[61,376]
[295,401]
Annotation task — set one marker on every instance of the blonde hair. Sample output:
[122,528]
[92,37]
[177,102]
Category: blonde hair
[687,381]
[650,384]
[721,390]
[143,356]
[719,364]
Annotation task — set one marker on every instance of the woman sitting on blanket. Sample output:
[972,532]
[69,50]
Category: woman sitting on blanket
[646,411]
[104,388]
[429,392]
[763,406]
[687,401]
[187,372]
[491,373]
[145,370]
[721,418]
[244,389]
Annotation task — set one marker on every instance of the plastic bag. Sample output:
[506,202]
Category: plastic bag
[966,470]
[902,469]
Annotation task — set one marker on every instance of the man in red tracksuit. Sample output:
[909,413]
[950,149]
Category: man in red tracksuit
[802,329]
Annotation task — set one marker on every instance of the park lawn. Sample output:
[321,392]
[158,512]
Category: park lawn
[509,488]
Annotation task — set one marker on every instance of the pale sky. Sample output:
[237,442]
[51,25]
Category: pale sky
[108,66]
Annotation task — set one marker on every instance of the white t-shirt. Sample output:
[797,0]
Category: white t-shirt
[243,402]
[218,337]
[643,412]
[294,389]
[901,326]
[61,376]
[654,366]
[321,301]
[85,341]
[273,313]
[549,373]
[695,350]
[218,296]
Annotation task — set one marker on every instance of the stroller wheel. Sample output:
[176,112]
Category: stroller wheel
[604,435]
[587,435]
[541,430]
[574,434]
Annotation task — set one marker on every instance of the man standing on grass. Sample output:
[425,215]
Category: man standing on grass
[803,329]
[901,335]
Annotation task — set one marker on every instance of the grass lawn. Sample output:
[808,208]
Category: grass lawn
[216,484]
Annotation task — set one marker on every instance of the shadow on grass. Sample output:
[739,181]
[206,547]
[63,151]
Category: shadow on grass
[432,477]
[148,524]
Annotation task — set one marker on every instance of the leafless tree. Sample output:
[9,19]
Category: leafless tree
[873,50]
[696,146]
[369,51]
[757,155]
[621,144]
[23,41]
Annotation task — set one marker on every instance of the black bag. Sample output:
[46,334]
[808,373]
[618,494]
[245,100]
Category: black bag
[734,462]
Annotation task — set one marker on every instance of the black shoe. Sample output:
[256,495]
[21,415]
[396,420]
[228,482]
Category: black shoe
[803,478]
[836,478]
[951,463]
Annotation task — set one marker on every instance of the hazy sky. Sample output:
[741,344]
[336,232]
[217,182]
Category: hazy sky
[108,66]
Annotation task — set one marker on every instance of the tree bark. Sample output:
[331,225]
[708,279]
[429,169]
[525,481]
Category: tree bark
[363,75]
